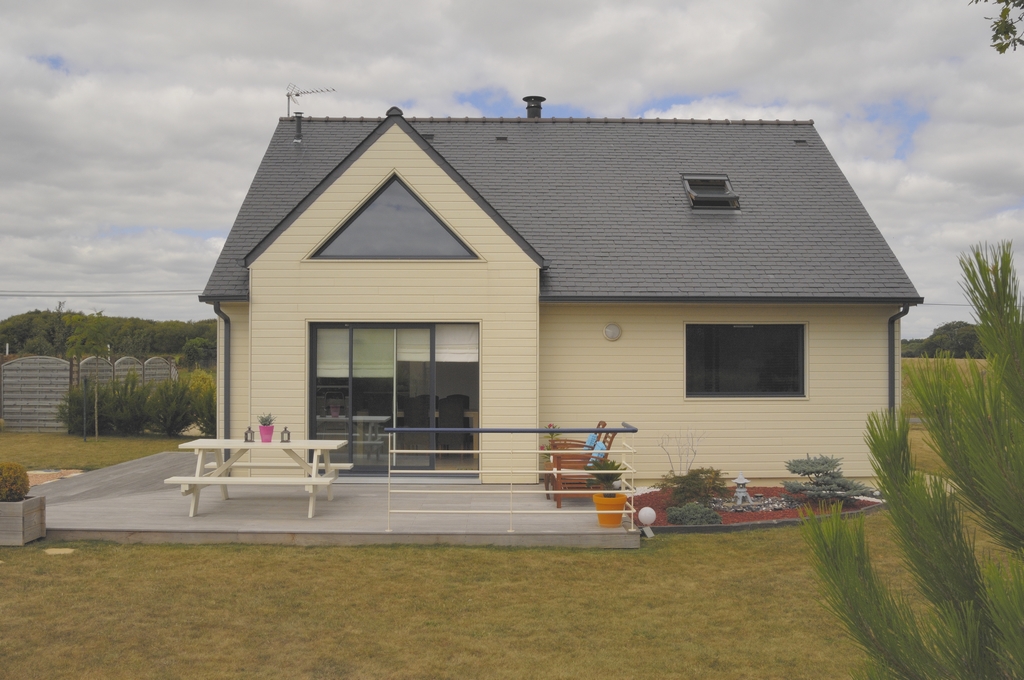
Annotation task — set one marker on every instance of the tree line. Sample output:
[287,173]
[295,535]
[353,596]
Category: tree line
[958,338]
[48,332]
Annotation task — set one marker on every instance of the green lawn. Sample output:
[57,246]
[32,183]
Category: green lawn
[41,451]
[687,606]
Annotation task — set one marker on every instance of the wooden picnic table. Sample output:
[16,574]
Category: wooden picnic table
[220,470]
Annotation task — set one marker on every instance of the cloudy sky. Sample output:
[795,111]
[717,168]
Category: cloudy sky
[131,131]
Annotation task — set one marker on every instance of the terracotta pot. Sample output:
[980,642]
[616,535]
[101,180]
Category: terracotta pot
[266,433]
[618,502]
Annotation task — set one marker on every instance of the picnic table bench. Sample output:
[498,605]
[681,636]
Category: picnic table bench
[318,473]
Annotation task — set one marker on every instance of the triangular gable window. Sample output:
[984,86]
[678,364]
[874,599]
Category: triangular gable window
[394,224]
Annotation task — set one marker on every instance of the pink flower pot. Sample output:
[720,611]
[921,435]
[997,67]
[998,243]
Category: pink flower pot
[266,433]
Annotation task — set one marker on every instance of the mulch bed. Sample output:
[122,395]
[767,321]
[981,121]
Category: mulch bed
[662,500]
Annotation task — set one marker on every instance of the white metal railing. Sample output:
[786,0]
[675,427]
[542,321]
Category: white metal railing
[516,470]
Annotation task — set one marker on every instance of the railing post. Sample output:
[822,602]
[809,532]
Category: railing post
[511,514]
[391,441]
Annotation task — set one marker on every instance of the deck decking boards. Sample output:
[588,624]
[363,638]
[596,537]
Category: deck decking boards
[129,503]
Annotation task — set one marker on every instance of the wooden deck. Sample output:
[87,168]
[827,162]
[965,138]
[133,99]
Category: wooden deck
[129,503]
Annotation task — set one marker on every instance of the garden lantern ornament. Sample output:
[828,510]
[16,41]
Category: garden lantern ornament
[741,494]
[250,436]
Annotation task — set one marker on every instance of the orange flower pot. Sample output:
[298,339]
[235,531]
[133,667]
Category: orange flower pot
[618,502]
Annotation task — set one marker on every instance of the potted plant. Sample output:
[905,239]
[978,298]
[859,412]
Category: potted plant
[609,500]
[266,427]
[22,517]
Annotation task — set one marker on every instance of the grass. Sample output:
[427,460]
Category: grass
[924,456]
[44,450]
[685,606]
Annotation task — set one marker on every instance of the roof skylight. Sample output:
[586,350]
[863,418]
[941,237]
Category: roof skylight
[711,191]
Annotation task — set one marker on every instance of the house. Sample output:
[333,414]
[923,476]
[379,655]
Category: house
[707,276]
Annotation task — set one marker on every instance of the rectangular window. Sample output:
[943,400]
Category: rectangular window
[745,360]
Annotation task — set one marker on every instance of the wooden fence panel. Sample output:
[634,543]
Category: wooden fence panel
[158,369]
[97,368]
[31,388]
[125,365]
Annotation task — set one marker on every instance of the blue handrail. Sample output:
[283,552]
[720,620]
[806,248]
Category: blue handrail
[626,427]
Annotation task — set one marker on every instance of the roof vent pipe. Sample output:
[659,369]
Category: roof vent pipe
[533,106]
[298,127]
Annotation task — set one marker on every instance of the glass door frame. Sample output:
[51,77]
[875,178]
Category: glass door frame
[314,327]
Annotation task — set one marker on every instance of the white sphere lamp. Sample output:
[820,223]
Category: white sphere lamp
[647,517]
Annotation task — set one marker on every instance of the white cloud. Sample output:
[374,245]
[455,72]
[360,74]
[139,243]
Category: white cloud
[131,133]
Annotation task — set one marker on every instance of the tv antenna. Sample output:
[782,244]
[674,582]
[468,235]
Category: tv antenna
[294,92]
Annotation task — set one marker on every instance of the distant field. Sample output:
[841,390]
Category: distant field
[923,453]
[909,401]
[44,450]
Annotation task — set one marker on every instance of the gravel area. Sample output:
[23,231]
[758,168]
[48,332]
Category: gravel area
[36,477]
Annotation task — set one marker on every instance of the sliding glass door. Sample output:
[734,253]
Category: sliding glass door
[364,378]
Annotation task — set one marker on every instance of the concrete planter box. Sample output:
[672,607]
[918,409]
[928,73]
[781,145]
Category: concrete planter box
[23,521]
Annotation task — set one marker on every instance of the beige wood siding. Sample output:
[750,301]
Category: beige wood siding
[640,379]
[898,342]
[498,291]
[238,312]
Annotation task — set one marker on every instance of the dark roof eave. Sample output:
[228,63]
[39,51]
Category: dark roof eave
[210,299]
[762,299]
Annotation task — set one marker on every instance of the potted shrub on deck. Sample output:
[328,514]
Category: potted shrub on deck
[266,427]
[22,517]
[609,500]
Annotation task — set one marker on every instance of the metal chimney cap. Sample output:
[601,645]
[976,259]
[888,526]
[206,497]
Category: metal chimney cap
[533,106]
[394,111]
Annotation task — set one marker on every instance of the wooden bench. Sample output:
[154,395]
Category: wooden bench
[190,485]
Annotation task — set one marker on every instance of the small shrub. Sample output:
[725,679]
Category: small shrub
[698,485]
[13,483]
[128,405]
[204,402]
[826,479]
[170,407]
[69,410]
[693,513]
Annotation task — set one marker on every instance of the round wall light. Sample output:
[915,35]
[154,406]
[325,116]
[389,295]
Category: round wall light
[612,332]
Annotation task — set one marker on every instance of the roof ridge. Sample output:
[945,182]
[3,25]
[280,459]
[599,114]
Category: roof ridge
[571,119]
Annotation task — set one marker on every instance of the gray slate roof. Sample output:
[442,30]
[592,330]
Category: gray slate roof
[602,201]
